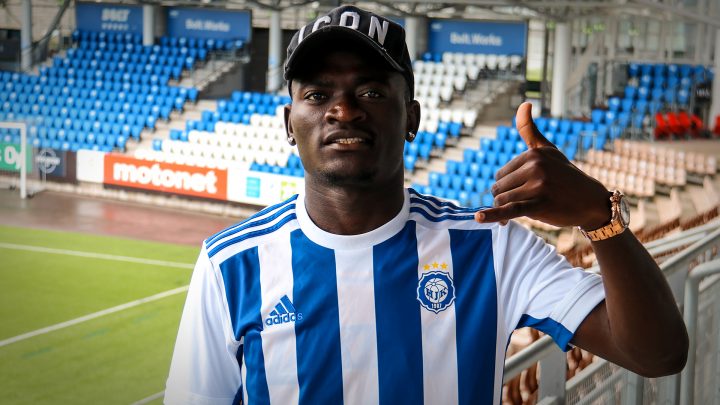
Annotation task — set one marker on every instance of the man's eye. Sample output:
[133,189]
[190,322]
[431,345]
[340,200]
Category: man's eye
[372,94]
[315,96]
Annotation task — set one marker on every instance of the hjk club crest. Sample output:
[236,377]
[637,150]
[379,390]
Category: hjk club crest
[436,291]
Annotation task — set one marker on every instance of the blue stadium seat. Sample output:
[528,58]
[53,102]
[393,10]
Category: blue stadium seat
[577,127]
[633,70]
[659,70]
[670,96]
[565,126]
[623,119]
[637,120]
[657,94]
[614,104]
[610,117]
[630,92]
[683,97]
[491,157]
[685,70]
[410,162]
[627,104]
[487,200]
[646,80]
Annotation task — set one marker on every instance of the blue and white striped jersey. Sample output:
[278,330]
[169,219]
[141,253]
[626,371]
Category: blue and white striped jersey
[417,311]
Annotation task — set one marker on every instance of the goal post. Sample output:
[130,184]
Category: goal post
[13,160]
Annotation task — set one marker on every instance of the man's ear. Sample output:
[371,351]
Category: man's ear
[413,117]
[288,125]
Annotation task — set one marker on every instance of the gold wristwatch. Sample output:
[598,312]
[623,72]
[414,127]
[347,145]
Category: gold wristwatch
[619,220]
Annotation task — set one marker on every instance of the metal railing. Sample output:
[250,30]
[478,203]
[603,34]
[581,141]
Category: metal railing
[605,383]
[692,291]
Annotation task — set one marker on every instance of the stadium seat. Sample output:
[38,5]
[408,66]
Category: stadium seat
[662,129]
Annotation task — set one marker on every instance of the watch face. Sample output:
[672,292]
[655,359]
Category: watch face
[624,212]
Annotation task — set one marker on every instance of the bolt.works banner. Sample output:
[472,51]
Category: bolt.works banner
[99,17]
[209,23]
[500,38]
[124,171]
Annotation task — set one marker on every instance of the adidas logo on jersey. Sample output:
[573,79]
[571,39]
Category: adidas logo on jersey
[284,312]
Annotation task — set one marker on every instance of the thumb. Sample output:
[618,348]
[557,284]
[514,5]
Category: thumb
[527,129]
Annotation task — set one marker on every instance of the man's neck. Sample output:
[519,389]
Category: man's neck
[352,210]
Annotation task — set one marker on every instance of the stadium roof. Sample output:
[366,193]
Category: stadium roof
[556,10]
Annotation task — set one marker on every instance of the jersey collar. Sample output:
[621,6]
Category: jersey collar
[350,242]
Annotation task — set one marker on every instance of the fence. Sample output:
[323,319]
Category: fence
[693,277]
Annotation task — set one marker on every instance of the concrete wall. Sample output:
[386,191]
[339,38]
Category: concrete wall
[43,12]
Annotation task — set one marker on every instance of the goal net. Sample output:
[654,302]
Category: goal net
[22,166]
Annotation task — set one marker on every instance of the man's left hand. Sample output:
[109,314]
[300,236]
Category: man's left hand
[541,183]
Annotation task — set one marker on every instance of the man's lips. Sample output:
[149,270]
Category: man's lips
[349,141]
[348,138]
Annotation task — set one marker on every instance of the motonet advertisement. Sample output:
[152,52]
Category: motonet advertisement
[193,181]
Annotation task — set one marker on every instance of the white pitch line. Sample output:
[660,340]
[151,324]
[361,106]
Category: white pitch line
[94,315]
[150,398]
[95,255]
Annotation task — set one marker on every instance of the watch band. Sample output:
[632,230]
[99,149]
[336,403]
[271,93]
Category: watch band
[616,226]
[607,231]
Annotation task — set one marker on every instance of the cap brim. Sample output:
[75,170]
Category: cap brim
[334,33]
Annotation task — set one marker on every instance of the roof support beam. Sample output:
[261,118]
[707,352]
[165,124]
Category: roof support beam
[678,11]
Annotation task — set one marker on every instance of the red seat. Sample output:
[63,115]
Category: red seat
[717,126]
[674,126]
[685,124]
[697,125]
[661,127]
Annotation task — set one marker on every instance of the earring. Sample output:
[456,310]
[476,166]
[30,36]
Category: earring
[410,136]
[291,140]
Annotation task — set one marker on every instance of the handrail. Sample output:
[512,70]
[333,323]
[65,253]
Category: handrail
[692,290]
[528,356]
[704,228]
[675,241]
[703,237]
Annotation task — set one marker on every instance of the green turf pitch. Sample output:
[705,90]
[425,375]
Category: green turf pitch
[117,358]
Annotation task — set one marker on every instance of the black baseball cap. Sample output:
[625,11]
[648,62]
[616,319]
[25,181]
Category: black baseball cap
[349,26]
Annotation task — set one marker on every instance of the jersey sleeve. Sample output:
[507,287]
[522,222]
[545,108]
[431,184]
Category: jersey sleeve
[204,367]
[539,288]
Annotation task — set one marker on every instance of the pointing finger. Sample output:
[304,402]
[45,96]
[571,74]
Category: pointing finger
[505,212]
[527,129]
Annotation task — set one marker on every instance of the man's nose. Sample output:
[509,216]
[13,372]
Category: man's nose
[345,108]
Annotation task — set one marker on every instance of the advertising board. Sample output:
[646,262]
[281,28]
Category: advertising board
[90,166]
[125,171]
[10,158]
[259,188]
[99,17]
[208,23]
[487,37]
[54,164]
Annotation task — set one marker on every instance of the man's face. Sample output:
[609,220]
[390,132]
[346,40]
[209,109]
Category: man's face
[349,119]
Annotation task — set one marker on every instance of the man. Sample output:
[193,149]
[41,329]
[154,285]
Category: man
[360,291]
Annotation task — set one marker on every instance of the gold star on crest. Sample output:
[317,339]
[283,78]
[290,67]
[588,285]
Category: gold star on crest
[426,267]
[444,266]
[435,265]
